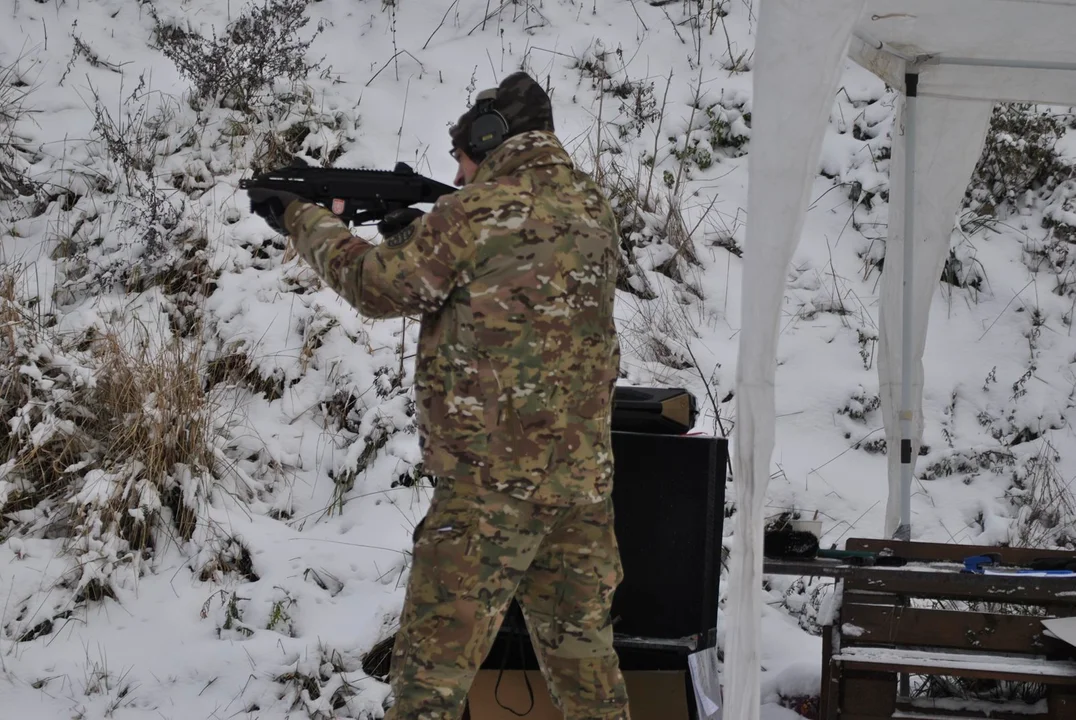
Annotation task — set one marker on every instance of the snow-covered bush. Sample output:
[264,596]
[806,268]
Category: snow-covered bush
[1022,172]
[103,442]
[41,441]
[13,164]
[130,229]
[236,68]
[251,88]
[1044,502]
[1019,156]
[716,131]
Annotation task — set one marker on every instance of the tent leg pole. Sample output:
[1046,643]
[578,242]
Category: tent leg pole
[907,460]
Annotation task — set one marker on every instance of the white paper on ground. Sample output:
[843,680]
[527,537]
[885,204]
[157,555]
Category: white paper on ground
[1062,628]
[709,707]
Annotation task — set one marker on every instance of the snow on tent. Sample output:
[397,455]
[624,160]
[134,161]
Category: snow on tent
[951,60]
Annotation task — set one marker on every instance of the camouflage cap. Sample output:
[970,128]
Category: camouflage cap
[522,102]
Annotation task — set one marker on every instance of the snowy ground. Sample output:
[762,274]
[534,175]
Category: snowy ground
[328,562]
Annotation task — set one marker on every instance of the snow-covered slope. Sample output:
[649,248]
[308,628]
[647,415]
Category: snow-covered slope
[145,308]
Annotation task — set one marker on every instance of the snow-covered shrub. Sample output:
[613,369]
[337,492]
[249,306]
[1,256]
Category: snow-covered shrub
[1019,156]
[1020,171]
[1060,211]
[327,685]
[962,269]
[373,426]
[715,131]
[1045,504]
[130,229]
[250,85]
[110,441]
[860,404]
[728,125]
[638,107]
[235,69]
[654,235]
[292,126]
[101,439]
[593,64]
[637,213]
[42,389]
[13,164]
[969,462]
[804,600]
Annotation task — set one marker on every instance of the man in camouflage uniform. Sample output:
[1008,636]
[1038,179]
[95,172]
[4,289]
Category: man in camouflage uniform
[513,276]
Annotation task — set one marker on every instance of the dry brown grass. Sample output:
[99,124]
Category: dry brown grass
[133,421]
[154,415]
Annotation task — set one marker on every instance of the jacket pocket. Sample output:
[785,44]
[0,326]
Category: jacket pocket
[522,441]
[447,554]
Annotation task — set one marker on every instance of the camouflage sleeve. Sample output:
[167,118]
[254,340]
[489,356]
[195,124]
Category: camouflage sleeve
[411,272]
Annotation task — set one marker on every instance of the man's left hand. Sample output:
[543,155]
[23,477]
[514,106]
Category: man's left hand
[270,206]
[397,220]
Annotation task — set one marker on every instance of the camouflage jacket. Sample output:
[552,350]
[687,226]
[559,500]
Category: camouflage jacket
[513,277]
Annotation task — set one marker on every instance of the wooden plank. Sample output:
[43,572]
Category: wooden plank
[831,679]
[973,665]
[820,567]
[855,597]
[928,715]
[949,708]
[913,715]
[943,552]
[989,632]
[868,692]
[1061,702]
[932,584]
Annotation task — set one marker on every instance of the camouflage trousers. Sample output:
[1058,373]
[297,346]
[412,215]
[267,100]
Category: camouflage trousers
[477,549]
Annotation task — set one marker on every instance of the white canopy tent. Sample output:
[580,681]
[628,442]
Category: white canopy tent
[951,60]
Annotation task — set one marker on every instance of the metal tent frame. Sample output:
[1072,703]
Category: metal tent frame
[887,62]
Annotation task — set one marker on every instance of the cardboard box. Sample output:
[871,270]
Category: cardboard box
[653,695]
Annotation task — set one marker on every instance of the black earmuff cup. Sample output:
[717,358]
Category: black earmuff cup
[488,130]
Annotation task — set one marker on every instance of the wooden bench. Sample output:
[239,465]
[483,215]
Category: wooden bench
[931,619]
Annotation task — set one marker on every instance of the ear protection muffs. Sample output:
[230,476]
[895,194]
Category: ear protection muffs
[489,127]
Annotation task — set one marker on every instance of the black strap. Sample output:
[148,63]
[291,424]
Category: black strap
[521,640]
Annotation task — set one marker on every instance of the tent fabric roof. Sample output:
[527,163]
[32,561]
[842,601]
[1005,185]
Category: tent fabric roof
[969,48]
[982,29]
[967,54]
